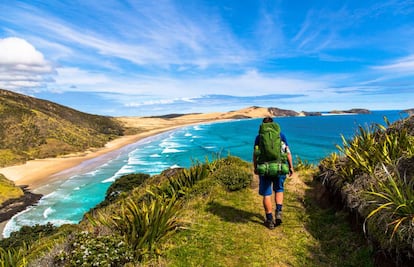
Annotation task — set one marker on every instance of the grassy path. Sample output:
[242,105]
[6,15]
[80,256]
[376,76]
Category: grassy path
[227,230]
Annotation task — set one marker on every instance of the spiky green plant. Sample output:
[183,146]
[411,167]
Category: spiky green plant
[145,225]
[392,201]
[300,164]
[179,184]
[359,150]
[374,145]
[12,258]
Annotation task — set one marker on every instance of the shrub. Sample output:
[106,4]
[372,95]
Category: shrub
[125,183]
[233,177]
[88,250]
[233,172]
[27,235]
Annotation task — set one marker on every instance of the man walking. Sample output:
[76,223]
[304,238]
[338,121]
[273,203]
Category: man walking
[271,153]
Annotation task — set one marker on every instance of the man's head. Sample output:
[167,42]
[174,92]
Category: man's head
[267,119]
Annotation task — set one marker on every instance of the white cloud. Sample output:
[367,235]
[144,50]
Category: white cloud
[405,65]
[16,51]
[78,77]
[147,35]
[21,65]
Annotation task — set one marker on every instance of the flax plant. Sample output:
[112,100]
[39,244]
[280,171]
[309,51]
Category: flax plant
[301,165]
[372,146]
[393,203]
[186,179]
[12,258]
[360,150]
[145,225]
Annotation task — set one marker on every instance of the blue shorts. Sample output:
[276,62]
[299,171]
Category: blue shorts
[265,185]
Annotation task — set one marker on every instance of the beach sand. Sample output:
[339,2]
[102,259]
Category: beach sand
[39,172]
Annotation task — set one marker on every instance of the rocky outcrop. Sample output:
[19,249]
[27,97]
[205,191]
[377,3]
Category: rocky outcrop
[13,206]
[277,112]
[351,111]
[310,113]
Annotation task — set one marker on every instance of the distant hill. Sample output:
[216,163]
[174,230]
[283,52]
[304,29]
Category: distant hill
[409,111]
[33,128]
[351,111]
[244,113]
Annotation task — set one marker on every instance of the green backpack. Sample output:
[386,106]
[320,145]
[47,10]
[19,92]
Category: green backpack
[270,160]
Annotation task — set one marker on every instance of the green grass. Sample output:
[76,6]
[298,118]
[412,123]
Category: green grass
[227,230]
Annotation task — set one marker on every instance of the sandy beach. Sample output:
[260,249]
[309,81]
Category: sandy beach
[37,173]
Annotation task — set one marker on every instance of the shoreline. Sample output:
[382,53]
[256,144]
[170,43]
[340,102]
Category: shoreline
[37,174]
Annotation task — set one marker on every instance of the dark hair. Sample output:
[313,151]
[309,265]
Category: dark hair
[267,119]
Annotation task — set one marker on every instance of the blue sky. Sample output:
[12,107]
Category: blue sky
[140,58]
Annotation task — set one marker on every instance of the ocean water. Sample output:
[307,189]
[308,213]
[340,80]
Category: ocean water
[310,138]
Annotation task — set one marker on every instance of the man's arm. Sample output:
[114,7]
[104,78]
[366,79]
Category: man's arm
[256,143]
[290,161]
[254,163]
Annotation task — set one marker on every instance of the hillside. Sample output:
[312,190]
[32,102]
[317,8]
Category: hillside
[34,128]
[8,190]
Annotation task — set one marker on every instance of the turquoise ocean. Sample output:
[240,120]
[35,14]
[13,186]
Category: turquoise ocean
[310,138]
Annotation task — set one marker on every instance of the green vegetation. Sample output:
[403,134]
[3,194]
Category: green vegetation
[374,175]
[227,230]
[33,128]
[122,187]
[12,258]
[8,190]
[88,250]
[190,217]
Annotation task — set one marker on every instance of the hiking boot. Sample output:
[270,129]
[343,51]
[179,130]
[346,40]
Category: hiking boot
[269,224]
[278,220]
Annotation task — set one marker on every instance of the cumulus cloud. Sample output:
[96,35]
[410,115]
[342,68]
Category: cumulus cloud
[21,65]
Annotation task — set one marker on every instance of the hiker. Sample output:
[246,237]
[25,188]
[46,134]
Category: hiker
[272,161]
